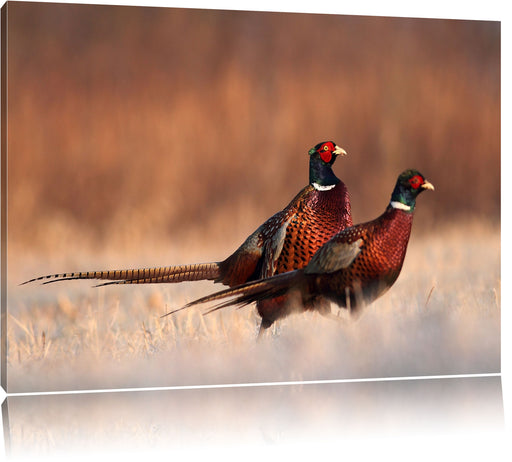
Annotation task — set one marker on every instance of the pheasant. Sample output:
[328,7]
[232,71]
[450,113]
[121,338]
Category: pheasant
[355,267]
[285,242]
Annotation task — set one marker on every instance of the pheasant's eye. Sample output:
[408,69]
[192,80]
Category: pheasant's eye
[416,181]
[326,148]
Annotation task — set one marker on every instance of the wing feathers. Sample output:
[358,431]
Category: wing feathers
[334,257]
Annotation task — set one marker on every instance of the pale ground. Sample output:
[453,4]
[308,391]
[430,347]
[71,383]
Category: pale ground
[441,317]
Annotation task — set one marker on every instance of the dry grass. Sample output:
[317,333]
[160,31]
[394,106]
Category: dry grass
[441,317]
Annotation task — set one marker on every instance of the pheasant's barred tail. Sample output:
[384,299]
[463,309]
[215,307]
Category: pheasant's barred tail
[180,273]
[245,294]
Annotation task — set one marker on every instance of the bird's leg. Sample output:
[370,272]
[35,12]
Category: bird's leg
[265,324]
[339,314]
[347,299]
[334,317]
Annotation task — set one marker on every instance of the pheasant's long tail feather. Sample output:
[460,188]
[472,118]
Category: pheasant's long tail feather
[254,291]
[169,274]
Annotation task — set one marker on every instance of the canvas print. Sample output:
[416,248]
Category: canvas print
[202,197]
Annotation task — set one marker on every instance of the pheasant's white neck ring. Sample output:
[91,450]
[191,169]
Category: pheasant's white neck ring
[400,206]
[320,187]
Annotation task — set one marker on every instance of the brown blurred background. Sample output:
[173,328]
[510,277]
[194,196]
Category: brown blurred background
[159,122]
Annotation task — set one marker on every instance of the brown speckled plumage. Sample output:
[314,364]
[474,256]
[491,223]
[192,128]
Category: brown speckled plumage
[288,239]
[319,216]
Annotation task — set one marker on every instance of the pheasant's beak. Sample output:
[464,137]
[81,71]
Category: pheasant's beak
[340,151]
[428,185]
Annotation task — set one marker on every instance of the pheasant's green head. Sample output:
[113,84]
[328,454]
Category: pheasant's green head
[409,184]
[327,151]
[321,158]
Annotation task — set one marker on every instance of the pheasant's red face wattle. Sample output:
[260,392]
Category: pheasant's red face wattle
[416,181]
[326,156]
[326,151]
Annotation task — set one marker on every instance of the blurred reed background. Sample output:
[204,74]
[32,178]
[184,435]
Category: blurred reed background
[177,124]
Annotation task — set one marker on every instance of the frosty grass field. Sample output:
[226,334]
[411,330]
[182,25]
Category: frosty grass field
[442,316]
